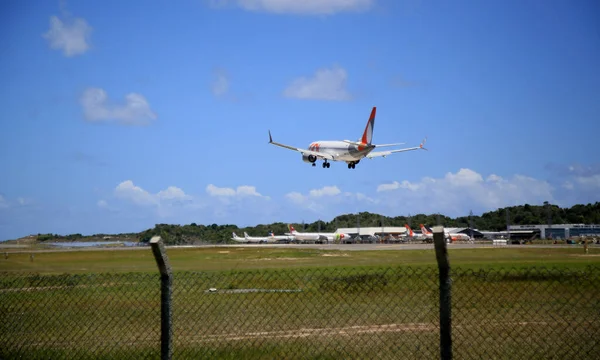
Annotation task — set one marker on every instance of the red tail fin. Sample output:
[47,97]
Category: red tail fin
[409,230]
[368,133]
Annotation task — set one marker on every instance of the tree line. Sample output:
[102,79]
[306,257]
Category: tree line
[492,220]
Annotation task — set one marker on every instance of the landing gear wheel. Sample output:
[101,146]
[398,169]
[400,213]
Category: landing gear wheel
[326,165]
[313,164]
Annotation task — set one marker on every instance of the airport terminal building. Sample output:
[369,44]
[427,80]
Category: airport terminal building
[557,231]
[516,232]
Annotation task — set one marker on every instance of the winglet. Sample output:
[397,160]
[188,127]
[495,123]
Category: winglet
[423,144]
[270,137]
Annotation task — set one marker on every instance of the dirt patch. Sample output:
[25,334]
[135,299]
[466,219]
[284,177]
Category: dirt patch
[281,258]
[335,255]
[344,331]
[224,252]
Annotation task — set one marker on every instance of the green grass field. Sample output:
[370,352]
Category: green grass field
[228,258]
[340,304]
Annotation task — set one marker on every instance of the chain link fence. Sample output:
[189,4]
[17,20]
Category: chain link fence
[325,313]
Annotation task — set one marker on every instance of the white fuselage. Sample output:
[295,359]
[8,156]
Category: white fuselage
[281,237]
[319,236]
[259,239]
[458,236]
[341,150]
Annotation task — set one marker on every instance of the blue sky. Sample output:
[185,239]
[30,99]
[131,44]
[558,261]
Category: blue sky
[116,116]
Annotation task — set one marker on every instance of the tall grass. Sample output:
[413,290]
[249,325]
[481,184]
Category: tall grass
[318,313]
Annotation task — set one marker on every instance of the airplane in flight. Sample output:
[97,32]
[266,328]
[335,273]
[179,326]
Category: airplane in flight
[317,237]
[351,152]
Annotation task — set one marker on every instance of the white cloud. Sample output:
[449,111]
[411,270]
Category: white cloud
[396,185]
[307,7]
[71,36]
[220,84]
[15,203]
[243,190]
[326,84]
[295,197]
[128,191]
[466,177]
[102,204]
[456,193]
[24,201]
[172,193]
[325,191]
[135,111]
[3,202]
[327,199]
[588,182]
[298,198]
[217,191]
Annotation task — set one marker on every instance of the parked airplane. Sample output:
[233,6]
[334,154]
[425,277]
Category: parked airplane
[411,234]
[318,236]
[458,236]
[428,234]
[237,238]
[258,239]
[447,235]
[351,152]
[281,237]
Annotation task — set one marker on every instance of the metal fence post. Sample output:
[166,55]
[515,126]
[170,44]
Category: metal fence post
[441,253]
[166,280]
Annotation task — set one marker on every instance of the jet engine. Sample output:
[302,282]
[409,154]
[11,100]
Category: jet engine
[309,158]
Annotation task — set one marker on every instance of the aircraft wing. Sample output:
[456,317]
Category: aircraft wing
[303,151]
[389,152]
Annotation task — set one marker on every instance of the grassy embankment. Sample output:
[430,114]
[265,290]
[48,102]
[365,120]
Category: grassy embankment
[345,304]
[219,259]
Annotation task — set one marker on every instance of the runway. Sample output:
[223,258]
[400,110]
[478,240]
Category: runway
[344,247]
[388,247]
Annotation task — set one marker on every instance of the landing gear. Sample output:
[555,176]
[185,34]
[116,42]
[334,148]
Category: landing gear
[326,165]
[351,165]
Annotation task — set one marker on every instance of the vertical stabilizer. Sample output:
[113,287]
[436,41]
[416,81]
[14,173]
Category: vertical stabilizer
[409,230]
[367,136]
